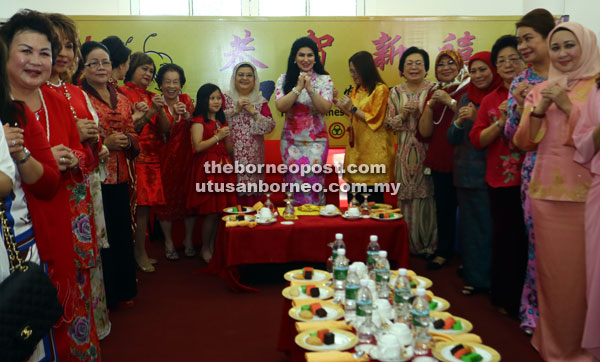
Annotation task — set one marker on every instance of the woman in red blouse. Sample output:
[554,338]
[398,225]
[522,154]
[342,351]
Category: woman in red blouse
[176,158]
[119,57]
[116,118]
[503,176]
[151,129]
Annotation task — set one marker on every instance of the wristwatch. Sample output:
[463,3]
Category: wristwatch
[353,109]
[24,159]
[453,102]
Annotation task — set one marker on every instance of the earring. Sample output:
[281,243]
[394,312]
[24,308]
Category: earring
[294,62]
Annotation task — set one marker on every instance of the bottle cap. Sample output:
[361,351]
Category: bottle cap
[339,236]
[421,292]
[402,272]
[382,254]
[364,282]
[341,252]
[373,238]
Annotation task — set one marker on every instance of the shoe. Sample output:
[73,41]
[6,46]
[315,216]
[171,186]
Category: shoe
[152,261]
[528,331]
[437,263]
[469,290]
[148,268]
[171,255]
[189,252]
[206,255]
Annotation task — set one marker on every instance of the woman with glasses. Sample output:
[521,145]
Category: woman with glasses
[503,176]
[249,118]
[151,128]
[116,118]
[559,189]
[469,178]
[441,105]
[415,197]
[532,31]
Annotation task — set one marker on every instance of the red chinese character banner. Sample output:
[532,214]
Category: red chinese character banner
[209,48]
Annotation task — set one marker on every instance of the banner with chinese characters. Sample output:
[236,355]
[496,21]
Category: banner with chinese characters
[208,48]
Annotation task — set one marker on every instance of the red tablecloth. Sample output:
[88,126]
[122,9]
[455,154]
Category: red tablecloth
[305,240]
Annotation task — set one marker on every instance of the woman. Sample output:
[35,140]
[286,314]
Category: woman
[558,190]
[116,118]
[366,107]
[151,129]
[503,176]
[250,118]
[23,142]
[31,40]
[405,104]
[90,209]
[119,57]
[441,105]
[304,93]
[175,157]
[469,178]
[211,142]
[587,141]
[532,31]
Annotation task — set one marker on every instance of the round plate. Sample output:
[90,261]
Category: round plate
[309,208]
[268,222]
[322,213]
[324,292]
[343,340]
[348,217]
[393,216]
[380,206]
[234,218]
[334,312]
[467,326]
[247,210]
[443,304]
[287,223]
[318,276]
[442,350]
[421,282]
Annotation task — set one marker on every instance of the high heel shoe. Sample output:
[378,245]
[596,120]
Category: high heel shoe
[148,268]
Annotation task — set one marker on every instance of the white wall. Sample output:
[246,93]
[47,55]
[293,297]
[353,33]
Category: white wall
[585,12]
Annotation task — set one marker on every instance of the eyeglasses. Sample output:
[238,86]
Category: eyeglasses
[418,63]
[96,65]
[509,61]
[245,75]
[449,64]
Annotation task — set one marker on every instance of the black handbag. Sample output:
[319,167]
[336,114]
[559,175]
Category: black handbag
[28,303]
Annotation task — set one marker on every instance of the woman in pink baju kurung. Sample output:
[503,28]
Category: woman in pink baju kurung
[587,141]
[558,190]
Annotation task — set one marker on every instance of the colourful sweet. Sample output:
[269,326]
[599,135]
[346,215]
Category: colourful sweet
[313,291]
[460,353]
[240,217]
[449,322]
[433,305]
[315,341]
[315,307]
[438,324]
[329,338]
[472,357]
[314,334]
[321,333]
[308,272]
[305,307]
[456,348]
[294,292]
[305,314]
[303,287]
[457,326]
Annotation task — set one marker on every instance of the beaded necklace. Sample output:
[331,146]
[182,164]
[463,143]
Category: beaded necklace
[65,92]
[37,114]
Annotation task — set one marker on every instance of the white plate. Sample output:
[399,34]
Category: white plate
[396,216]
[324,292]
[442,351]
[287,223]
[348,217]
[234,217]
[421,282]
[247,210]
[323,213]
[343,340]
[318,276]
[334,312]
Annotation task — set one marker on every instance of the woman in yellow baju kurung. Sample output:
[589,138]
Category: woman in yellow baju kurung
[370,142]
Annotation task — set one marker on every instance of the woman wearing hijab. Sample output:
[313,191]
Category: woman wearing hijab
[587,141]
[442,102]
[249,118]
[558,190]
[532,31]
[469,177]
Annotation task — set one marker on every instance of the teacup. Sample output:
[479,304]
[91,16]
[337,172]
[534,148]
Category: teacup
[402,332]
[353,212]
[265,214]
[389,347]
[329,209]
[384,308]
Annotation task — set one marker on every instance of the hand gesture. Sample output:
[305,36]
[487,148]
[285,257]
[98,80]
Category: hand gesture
[64,157]
[520,92]
[557,95]
[442,97]
[409,108]
[103,154]
[345,103]
[466,113]
[179,108]
[117,141]
[307,83]
[335,95]
[87,129]
[158,102]
[503,108]
[223,133]
[14,139]
[142,107]
[301,82]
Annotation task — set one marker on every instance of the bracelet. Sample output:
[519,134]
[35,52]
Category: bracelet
[538,115]
[24,159]
[297,92]
[218,140]
[353,110]
[497,123]
[459,127]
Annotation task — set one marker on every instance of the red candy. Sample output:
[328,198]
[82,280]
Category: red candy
[321,333]
[315,307]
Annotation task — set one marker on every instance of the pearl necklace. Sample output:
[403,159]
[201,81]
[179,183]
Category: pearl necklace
[37,115]
[66,93]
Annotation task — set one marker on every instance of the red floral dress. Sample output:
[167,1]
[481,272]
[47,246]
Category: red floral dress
[202,201]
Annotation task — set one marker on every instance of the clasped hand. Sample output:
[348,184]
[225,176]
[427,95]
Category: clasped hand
[557,95]
[304,82]
[64,157]
[466,113]
[223,133]
[521,91]
[244,103]
[442,97]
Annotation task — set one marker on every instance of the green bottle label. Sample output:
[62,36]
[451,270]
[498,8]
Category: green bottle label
[351,291]
[340,273]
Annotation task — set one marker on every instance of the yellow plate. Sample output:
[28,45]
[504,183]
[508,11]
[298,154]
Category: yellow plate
[443,304]
[324,292]
[393,216]
[467,326]
[334,312]
[309,208]
[234,218]
[318,276]
[247,210]
[343,340]
[442,351]
[379,206]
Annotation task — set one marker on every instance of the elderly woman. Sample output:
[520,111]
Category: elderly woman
[31,41]
[405,104]
[88,259]
[366,107]
[304,93]
[249,118]
[532,31]
[558,190]
[442,101]
[503,176]
[151,129]
[116,118]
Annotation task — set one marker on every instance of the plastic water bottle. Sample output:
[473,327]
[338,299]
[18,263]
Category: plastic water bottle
[401,297]
[338,243]
[364,312]
[420,322]
[382,275]
[372,253]
[352,286]
[340,273]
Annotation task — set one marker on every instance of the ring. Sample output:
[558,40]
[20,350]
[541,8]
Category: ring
[14,143]
[61,160]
